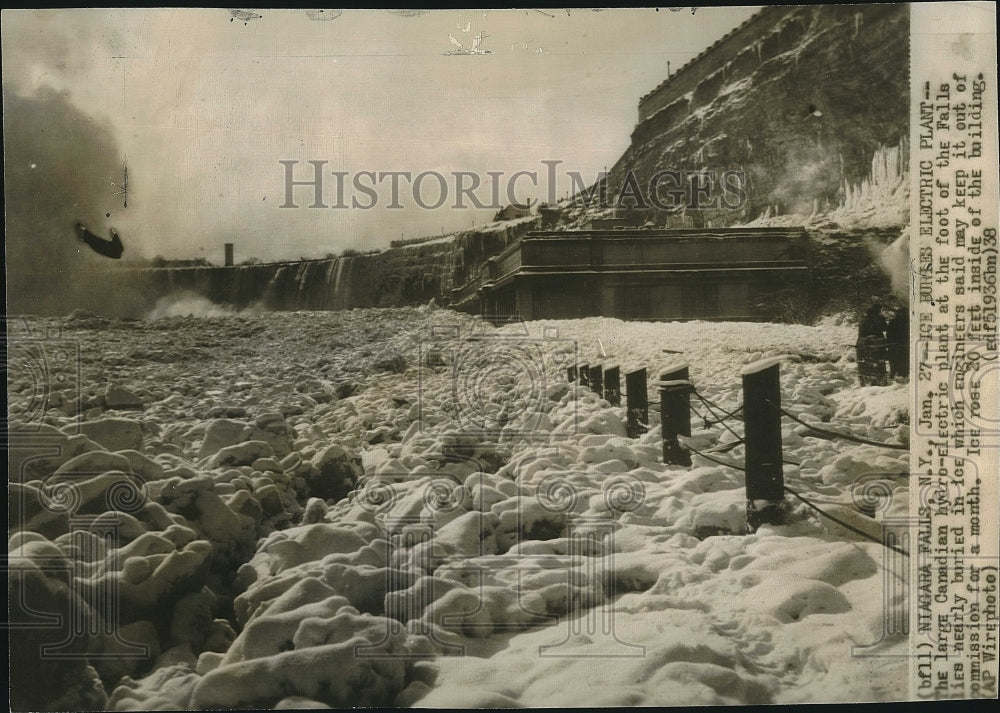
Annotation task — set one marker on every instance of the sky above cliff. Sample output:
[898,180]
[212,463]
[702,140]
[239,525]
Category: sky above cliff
[203,107]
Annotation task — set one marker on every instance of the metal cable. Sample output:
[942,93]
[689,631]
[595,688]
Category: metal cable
[702,417]
[847,526]
[734,466]
[718,420]
[710,404]
[845,436]
[827,515]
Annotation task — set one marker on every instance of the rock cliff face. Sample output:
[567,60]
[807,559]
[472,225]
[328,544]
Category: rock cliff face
[802,100]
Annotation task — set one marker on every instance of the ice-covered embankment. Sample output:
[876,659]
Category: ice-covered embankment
[411,507]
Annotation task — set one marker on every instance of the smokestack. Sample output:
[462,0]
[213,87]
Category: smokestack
[229,254]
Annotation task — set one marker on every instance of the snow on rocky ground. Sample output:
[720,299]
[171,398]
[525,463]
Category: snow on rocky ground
[412,507]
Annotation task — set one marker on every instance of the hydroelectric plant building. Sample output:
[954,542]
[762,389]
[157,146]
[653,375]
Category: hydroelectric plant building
[719,273]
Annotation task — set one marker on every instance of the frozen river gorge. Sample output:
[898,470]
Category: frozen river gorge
[414,507]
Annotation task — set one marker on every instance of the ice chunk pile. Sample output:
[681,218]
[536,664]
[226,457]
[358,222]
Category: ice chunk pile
[412,507]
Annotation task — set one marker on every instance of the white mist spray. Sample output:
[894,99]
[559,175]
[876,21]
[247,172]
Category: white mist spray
[895,260]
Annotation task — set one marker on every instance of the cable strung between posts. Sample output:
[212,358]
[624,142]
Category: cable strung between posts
[718,449]
[727,447]
[714,410]
[849,527]
[701,416]
[845,436]
[708,421]
[710,404]
[721,421]
[837,520]
[734,466]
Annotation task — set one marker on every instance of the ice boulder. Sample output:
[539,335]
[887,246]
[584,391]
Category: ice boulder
[117,397]
[271,633]
[306,543]
[115,434]
[221,433]
[49,682]
[334,473]
[240,454]
[90,464]
[271,428]
[332,673]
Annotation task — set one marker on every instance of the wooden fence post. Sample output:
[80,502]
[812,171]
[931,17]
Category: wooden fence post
[636,403]
[584,372]
[676,372]
[765,481]
[596,380]
[613,386]
[675,413]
